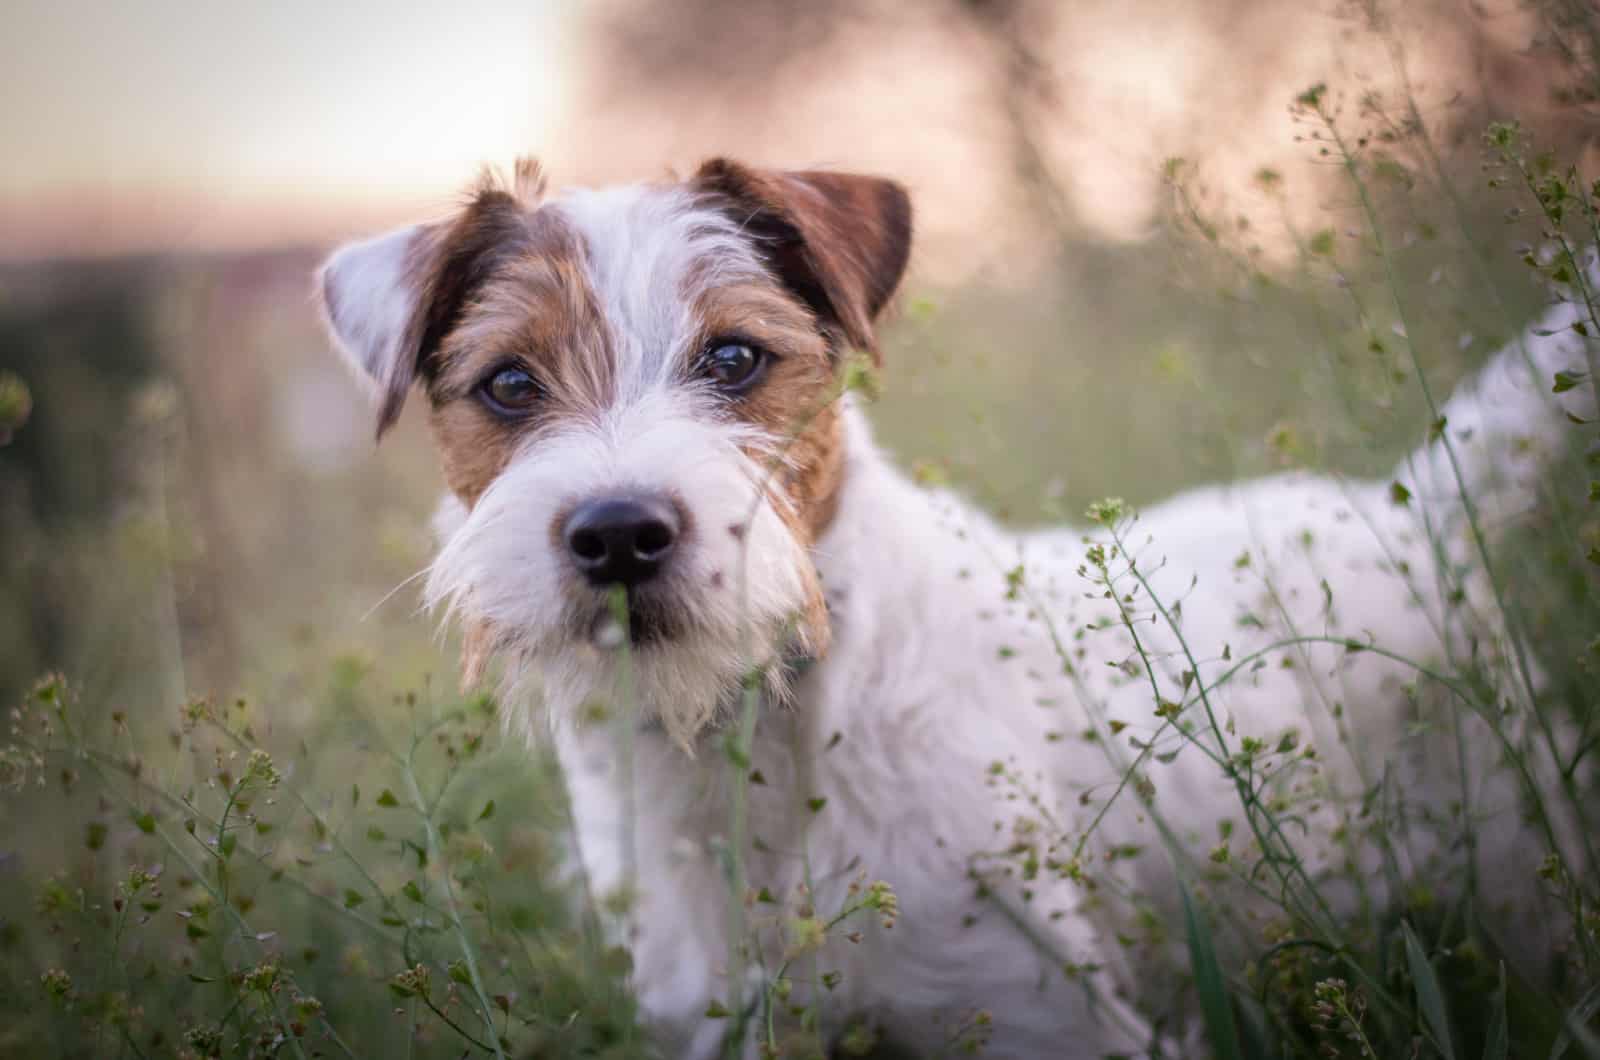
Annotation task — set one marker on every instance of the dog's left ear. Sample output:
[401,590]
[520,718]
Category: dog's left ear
[839,241]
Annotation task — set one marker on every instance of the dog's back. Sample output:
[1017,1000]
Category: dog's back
[1293,670]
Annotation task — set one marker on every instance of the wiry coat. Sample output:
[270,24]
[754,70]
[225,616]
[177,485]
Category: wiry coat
[1026,735]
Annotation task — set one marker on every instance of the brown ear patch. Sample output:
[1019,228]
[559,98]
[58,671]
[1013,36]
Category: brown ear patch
[447,263]
[838,241]
[444,263]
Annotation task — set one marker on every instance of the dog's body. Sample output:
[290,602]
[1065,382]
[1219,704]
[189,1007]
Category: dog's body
[938,703]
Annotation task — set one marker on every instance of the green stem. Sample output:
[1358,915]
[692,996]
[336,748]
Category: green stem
[1468,505]
[199,876]
[436,851]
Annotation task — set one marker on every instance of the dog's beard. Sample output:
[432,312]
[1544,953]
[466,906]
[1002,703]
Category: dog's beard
[662,665]
[740,596]
[687,685]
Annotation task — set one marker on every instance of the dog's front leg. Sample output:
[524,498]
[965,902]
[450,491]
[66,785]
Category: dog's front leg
[643,837]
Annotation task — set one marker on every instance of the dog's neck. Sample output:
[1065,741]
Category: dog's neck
[876,559]
[870,558]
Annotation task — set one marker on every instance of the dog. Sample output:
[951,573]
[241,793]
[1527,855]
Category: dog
[776,671]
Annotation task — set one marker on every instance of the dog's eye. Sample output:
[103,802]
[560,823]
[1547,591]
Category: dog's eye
[733,366]
[510,390]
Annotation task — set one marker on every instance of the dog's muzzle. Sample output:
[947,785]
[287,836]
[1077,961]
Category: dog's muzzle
[627,541]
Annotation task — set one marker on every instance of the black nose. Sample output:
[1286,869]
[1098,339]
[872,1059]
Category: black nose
[621,540]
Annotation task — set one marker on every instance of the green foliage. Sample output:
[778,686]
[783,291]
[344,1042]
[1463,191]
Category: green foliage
[328,868]
[16,405]
[1430,998]
[1335,987]
[222,904]
[1216,1005]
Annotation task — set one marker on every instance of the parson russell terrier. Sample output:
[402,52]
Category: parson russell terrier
[640,387]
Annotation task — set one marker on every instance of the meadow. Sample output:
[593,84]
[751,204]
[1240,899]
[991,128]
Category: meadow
[244,810]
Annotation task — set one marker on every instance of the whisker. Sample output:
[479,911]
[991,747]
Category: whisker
[390,594]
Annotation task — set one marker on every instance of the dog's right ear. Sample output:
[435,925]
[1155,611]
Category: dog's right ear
[371,294]
[388,302]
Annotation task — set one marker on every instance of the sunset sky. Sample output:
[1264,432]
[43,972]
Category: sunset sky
[228,108]
[187,125]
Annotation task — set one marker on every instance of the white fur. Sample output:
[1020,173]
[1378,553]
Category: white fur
[648,249]
[981,692]
[366,302]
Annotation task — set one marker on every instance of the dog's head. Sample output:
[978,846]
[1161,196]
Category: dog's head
[632,388]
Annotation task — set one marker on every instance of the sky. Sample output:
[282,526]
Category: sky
[234,114]
[180,125]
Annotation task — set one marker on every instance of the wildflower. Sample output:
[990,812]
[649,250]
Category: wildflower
[1108,511]
[859,377]
[57,983]
[193,713]
[51,691]
[204,1041]
[18,765]
[413,982]
[263,977]
[260,768]
[806,935]
[1338,1010]
[882,898]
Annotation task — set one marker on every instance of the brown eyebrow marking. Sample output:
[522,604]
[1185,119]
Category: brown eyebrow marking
[537,310]
[794,403]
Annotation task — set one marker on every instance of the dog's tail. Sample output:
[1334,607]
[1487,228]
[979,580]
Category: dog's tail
[1494,456]
[1489,453]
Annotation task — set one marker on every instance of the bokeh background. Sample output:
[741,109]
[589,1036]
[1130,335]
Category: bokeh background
[197,492]
[1135,271]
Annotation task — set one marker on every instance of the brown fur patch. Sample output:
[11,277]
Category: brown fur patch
[536,312]
[838,244]
[477,647]
[839,241]
[795,401]
[446,263]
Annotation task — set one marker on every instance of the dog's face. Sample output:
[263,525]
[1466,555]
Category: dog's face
[631,389]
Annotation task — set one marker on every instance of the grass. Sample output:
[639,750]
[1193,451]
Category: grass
[231,901]
[348,861]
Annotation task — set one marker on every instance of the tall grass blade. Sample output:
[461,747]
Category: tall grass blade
[1577,1019]
[1496,1046]
[1215,1007]
[1255,1037]
[1430,999]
